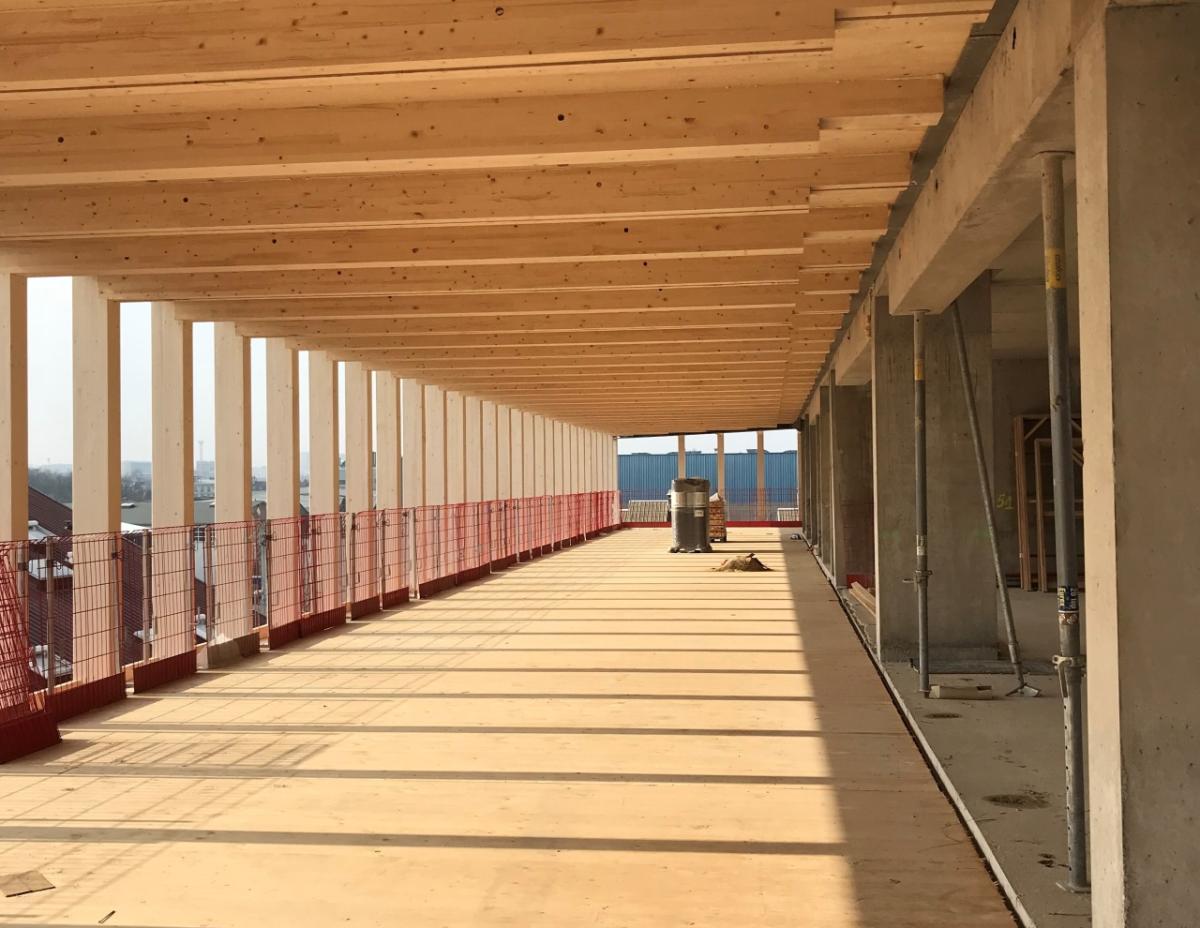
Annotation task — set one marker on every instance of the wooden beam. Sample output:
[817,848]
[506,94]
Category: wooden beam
[551,304]
[425,198]
[522,277]
[588,240]
[490,132]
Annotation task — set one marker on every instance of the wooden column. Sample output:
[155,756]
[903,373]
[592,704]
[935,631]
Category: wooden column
[172,481]
[324,434]
[760,477]
[435,446]
[231,368]
[516,440]
[14,409]
[96,480]
[234,544]
[721,464]
[455,458]
[388,457]
[681,455]
[473,449]
[359,440]
[489,451]
[412,443]
[528,444]
[539,455]
[283,431]
[503,453]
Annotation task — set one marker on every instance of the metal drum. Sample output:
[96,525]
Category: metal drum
[689,515]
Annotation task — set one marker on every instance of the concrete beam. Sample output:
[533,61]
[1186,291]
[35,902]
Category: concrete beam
[983,190]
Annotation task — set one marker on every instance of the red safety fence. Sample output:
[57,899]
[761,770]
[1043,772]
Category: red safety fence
[83,616]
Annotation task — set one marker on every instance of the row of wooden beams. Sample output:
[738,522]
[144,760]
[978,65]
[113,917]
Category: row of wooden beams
[485,133]
[427,198]
[853,229]
[520,277]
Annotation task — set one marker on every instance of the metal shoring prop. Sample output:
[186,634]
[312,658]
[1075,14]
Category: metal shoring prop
[985,491]
[1069,662]
[920,577]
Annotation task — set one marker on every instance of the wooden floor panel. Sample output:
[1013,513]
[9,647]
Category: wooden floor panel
[610,736]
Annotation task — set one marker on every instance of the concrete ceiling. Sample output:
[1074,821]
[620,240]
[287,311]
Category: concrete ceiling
[595,210]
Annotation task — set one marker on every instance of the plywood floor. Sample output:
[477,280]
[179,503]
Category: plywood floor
[610,736]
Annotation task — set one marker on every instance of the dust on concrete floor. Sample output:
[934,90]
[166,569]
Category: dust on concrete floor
[610,735]
[1005,759]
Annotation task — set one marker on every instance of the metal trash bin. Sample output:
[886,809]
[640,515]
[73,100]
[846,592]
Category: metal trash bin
[689,515]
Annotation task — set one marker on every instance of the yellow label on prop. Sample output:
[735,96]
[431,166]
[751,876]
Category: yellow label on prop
[918,369]
[1056,269]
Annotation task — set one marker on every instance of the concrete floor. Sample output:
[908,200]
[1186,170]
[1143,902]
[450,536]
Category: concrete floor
[1005,759]
[612,736]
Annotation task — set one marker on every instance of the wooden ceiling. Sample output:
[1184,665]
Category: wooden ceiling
[646,216]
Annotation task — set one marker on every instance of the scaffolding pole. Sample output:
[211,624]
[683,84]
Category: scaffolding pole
[1069,661]
[985,491]
[920,576]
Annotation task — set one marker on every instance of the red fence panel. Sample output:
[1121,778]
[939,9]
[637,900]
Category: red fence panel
[284,561]
[160,578]
[395,558]
[365,565]
[25,724]
[324,574]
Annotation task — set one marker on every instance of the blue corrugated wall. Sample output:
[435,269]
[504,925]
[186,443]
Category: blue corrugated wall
[649,476]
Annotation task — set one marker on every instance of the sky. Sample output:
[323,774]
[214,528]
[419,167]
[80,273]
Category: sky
[50,389]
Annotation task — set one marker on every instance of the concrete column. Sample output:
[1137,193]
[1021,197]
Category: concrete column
[456,461]
[963,596]
[760,477]
[388,476]
[14,408]
[517,453]
[231,368]
[490,450]
[1137,77]
[721,464]
[962,589]
[359,438]
[324,434]
[539,456]
[412,440]
[435,446]
[853,550]
[825,476]
[892,466]
[283,430]
[473,448]
[681,455]
[96,479]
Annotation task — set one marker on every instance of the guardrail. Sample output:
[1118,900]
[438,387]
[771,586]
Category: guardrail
[83,617]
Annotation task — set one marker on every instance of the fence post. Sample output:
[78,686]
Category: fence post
[210,597]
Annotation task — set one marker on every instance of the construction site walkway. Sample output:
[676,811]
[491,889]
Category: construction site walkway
[609,736]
